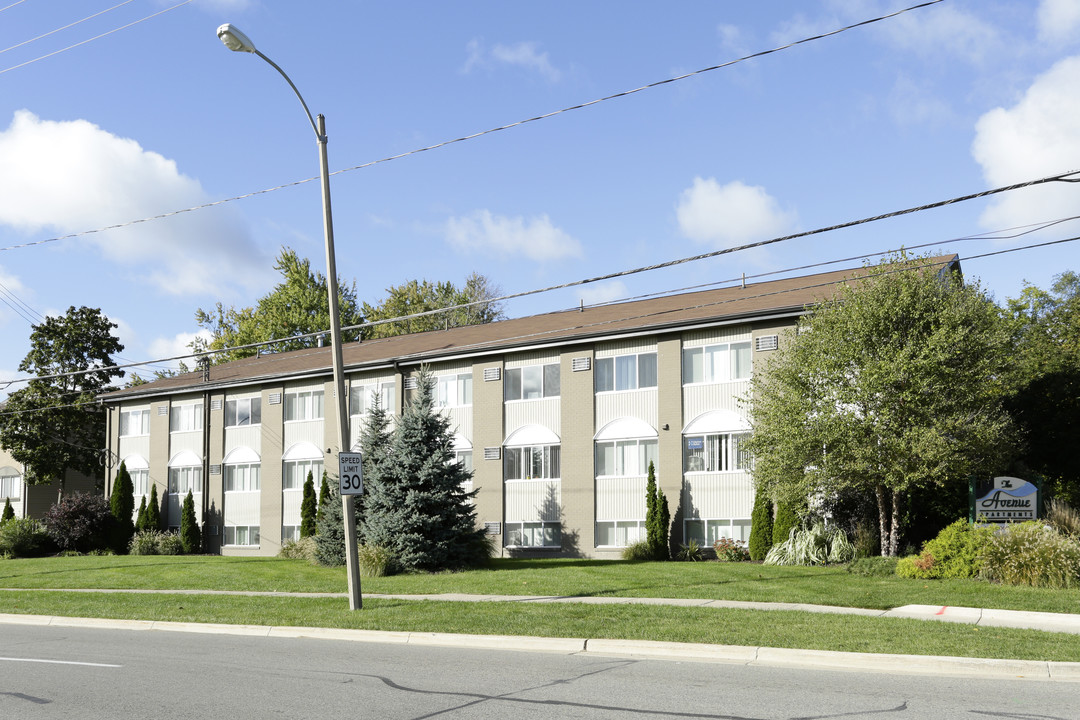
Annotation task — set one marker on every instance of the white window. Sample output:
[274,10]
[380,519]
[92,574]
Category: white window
[708,531]
[140,480]
[10,484]
[716,363]
[294,473]
[362,398]
[184,479]
[724,452]
[453,390]
[533,534]
[244,411]
[625,372]
[242,535]
[531,383]
[304,405]
[619,533]
[290,532]
[531,463]
[242,477]
[625,458]
[184,418]
[134,422]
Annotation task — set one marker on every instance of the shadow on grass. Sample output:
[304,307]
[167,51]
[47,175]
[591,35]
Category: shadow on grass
[147,562]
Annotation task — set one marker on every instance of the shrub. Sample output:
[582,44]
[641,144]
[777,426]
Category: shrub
[330,538]
[302,549]
[308,508]
[190,534]
[145,542]
[374,560]
[875,566]
[690,551]
[820,544]
[761,527]
[24,537]
[81,522]
[122,505]
[152,519]
[170,544]
[639,551]
[866,541]
[1032,553]
[954,553]
[1061,516]
[728,550]
[786,521]
[9,512]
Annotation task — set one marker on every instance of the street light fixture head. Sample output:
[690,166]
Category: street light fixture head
[234,39]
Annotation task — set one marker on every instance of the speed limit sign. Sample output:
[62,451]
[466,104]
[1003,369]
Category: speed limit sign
[350,474]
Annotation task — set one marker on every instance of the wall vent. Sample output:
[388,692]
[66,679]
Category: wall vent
[162,410]
[411,383]
[215,404]
[215,469]
[492,374]
[492,453]
[581,364]
[767,342]
[274,398]
[493,528]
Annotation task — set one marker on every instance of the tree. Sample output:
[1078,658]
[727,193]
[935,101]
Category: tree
[9,512]
[308,509]
[298,305]
[424,296]
[122,504]
[761,527]
[330,535]
[416,506]
[152,521]
[140,517]
[1045,328]
[55,424]
[893,386]
[190,534]
[657,518]
[80,522]
[324,497]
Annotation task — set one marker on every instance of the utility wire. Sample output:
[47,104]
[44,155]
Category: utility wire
[473,136]
[17,2]
[96,37]
[69,25]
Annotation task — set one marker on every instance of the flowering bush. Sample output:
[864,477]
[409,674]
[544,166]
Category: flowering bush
[728,550]
[1032,553]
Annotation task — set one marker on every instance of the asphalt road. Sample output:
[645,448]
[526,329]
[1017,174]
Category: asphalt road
[84,673]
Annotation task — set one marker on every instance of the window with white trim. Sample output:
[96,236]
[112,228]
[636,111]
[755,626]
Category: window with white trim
[10,484]
[625,458]
[619,533]
[625,372]
[708,531]
[304,405]
[721,452]
[185,418]
[539,462]
[290,533]
[294,473]
[241,477]
[532,534]
[465,458]
[134,422]
[453,390]
[140,481]
[243,411]
[362,398]
[242,535]
[184,479]
[531,383]
[716,363]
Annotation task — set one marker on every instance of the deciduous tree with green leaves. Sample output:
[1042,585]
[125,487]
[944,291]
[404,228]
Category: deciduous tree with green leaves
[893,386]
[424,296]
[55,424]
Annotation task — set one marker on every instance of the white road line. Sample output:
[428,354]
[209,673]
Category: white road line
[60,662]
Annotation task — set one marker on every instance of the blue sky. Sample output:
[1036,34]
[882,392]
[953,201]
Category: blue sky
[939,102]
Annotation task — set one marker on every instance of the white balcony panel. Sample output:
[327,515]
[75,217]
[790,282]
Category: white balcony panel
[242,508]
[533,501]
[641,404]
[620,498]
[718,495]
[543,411]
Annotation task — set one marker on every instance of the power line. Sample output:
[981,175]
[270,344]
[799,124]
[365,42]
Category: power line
[69,25]
[473,136]
[96,37]
[17,2]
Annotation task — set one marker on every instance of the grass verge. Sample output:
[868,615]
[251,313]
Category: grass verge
[782,629]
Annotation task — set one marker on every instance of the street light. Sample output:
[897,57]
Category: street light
[239,42]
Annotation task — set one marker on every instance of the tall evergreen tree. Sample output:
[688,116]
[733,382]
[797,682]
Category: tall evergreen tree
[330,535]
[190,535]
[761,527]
[9,512]
[140,519]
[324,496]
[376,445]
[418,509]
[657,517]
[786,519]
[153,511]
[122,502]
[308,508]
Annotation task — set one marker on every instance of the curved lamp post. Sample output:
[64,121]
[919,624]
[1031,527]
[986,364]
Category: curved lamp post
[239,42]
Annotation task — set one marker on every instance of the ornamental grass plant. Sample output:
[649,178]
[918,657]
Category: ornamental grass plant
[1034,554]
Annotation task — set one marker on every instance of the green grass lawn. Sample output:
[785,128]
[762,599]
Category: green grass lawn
[24,582]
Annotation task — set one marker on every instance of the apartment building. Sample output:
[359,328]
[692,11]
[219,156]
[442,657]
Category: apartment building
[557,415]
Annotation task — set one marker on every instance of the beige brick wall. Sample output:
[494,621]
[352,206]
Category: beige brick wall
[669,393]
[488,431]
[578,478]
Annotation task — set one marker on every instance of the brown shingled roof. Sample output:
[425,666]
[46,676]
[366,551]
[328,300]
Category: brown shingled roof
[754,300]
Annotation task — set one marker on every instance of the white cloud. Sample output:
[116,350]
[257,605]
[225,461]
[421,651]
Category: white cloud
[179,344]
[1038,136]
[912,103]
[1058,21]
[603,293]
[13,301]
[526,55]
[535,238]
[728,215]
[72,176]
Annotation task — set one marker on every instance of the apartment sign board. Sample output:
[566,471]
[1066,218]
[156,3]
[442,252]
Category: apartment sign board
[1006,499]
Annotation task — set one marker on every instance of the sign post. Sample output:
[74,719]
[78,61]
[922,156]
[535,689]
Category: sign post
[351,484]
